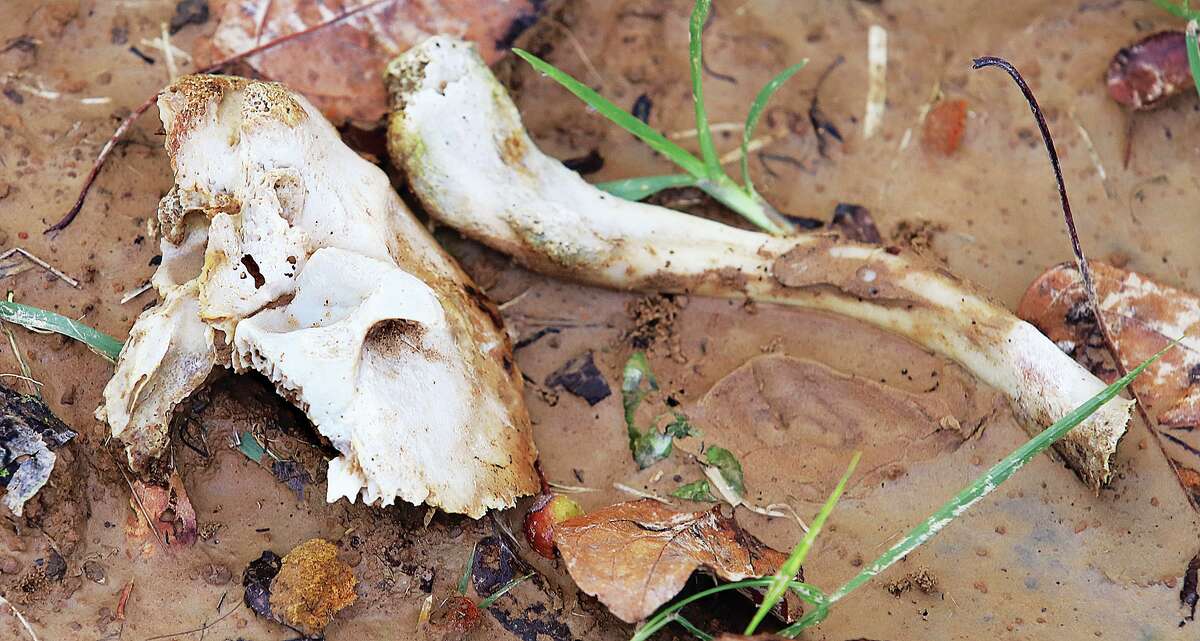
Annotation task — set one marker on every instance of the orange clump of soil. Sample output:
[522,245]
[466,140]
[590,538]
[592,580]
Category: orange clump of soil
[313,584]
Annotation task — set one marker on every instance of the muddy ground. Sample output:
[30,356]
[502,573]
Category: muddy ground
[790,393]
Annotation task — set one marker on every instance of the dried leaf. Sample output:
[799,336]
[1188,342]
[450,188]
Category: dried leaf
[636,556]
[1145,74]
[1143,316]
[342,65]
[169,510]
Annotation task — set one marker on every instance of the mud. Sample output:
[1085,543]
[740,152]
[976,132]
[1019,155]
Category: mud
[1042,557]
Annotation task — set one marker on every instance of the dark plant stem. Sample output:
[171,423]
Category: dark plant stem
[1089,284]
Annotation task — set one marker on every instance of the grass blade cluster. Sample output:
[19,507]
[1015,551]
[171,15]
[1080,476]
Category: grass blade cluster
[704,172]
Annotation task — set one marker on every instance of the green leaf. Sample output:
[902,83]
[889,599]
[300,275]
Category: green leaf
[504,589]
[756,109]
[695,491]
[979,488]
[790,568]
[624,119]
[680,427]
[640,188]
[708,151]
[729,467]
[636,382]
[465,580]
[650,447]
[43,320]
[247,444]
[1193,28]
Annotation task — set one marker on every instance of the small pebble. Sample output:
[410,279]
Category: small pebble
[10,566]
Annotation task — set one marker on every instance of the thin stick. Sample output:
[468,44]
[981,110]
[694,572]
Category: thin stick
[20,617]
[1089,285]
[40,263]
[142,108]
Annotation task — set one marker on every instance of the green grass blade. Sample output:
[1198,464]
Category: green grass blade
[756,110]
[809,593]
[504,589]
[981,487]
[787,572]
[690,627]
[1193,29]
[695,55]
[46,321]
[642,188]
[624,119]
[1178,10]
[465,580]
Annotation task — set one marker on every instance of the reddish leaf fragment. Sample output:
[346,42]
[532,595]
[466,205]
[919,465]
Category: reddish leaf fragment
[945,125]
[457,617]
[636,556]
[1143,316]
[1145,74]
[123,599]
[168,509]
[340,68]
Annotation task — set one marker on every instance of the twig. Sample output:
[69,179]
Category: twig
[200,629]
[587,62]
[142,108]
[571,489]
[26,373]
[20,617]
[134,293]
[20,251]
[642,494]
[877,57]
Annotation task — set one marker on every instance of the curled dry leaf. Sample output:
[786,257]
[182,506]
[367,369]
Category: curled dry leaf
[341,64]
[168,509]
[1145,74]
[1143,316]
[636,556]
[286,253]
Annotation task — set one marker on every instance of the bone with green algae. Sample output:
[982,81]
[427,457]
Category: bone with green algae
[485,177]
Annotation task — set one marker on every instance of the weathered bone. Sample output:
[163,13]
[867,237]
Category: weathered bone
[458,136]
[286,253]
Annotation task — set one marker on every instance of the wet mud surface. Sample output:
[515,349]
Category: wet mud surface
[790,393]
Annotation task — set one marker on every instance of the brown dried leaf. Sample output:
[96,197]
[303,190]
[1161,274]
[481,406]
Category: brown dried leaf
[340,68]
[1143,316]
[168,509]
[635,556]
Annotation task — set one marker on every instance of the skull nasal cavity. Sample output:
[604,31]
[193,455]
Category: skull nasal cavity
[252,268]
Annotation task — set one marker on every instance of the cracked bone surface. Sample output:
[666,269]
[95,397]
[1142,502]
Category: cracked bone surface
[459,138]
[286,253]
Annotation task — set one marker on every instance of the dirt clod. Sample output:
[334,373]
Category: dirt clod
[921,579]
[654,326]
[313,584]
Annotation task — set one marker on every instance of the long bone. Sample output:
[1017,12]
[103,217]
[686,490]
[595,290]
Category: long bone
[459,138]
